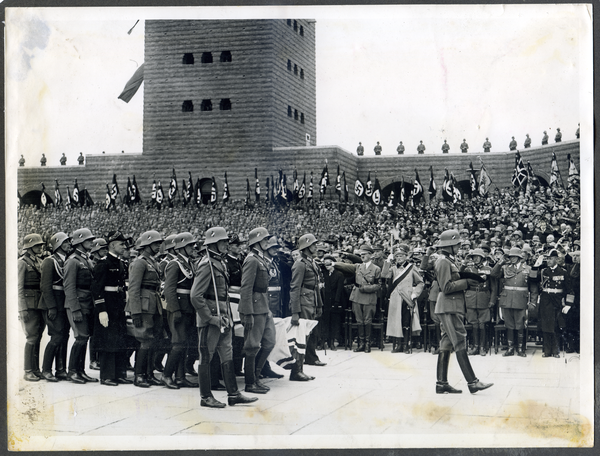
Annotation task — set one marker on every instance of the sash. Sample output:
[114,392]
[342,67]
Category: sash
[401,278]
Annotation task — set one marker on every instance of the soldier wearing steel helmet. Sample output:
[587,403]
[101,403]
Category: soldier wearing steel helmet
[516,293]
[214,319]
[99,251]
[145,307]
[53,303]
[163,345]
[110,327]
[179,276]
[79,301]
[30,313]
[305,302]
[259,328]
[479,298]
[450,307]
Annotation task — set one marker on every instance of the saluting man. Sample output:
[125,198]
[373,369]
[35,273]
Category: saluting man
[30,314]
[79,301]
[145,307]
[451,309]
[179,276]
[53,301]
[214,320]
[259,329]
[110,327]
[305,302]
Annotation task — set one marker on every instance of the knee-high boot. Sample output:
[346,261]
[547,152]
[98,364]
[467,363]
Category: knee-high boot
[234,396]
[49,355]
[250,376]
[297,374]
[141,359]
[206,397]
[465,366]
[150,378]
[520,351]
[475,350]
[442,385]
[61,362]
[82,373]
[368,338]
[361,338]
[29,375]
[483,340]
[173,361]
[511,349]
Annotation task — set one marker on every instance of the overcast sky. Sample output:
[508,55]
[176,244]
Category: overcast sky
[388,74]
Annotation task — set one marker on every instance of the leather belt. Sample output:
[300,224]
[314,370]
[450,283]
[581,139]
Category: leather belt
[115,289]
[552,290]
[260,290]
[484,288]
[183,291]
[212,297]
[31,287]
[148,287]
[234,289]
[308,288]
[83,288]
[517,288]
[58,287]
[274,289]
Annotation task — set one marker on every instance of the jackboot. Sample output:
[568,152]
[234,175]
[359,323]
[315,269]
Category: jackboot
[361,338]
[61,362]
[35,360]
[170,367]
[438,337]
[150,378]
[483,341]
[520,351]
[465,365]
[368,338]
[396,345]
[49,355]
[206,397]
[475,349]
[29,375]
[406,342]
[81,370]
[250,376]
[303,357]
[267,372]
[234,396]
[74,357]
[296,374]
[442,386]
[511,349]
[141,360]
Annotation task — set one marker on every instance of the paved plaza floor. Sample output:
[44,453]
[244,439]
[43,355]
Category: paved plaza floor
[381,399]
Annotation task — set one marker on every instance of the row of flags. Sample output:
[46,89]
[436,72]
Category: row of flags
[277,191]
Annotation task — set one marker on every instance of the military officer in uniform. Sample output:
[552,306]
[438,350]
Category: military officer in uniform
[377,149]
[305,301]
[110,327]
[514,296]
[527,143]
[179,276]
[487,145]
[445,147]
[480,298]
[234,260]
[554,290]
[451,309]
[421,148]
[400,149]
[99,251]
[259,329]
[145,307]
[513,144]
[53,301]
[558,136]
[214,320]
[30,314]
[79,302]
[545,139]
[163,346]
[360,150]
[464,147]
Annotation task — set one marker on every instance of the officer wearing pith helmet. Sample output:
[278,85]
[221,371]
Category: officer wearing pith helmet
[259,329]
[450,307]
[214,320]
[79,301]
[31,316]
[179,276]
[53,303]
[145,306]
[305,301]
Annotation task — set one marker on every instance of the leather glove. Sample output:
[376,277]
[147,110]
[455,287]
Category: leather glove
[52,313]
[319,312]
[103,317]
[24,316]
[137,320]
[566,309]
[177,316]
[224,321]
[248,322]
[295,319]
[77,316]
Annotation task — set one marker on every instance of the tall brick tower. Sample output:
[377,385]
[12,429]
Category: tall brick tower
[228,91]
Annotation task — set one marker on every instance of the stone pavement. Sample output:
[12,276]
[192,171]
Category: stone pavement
[367,400]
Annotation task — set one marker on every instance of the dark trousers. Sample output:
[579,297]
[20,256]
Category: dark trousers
[454,334]
[330,324]
[113,365]
[311,356]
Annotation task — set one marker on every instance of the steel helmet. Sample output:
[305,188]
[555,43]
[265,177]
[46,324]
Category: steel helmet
[257,235]
[448,238]
[99,243]
[214,235]
[31,240]
[306,241]
[80,235]
[150,237]
[184,239]
[515,251]
[273,242]
[170,241]
[57,240]
[477,251]
[138,241]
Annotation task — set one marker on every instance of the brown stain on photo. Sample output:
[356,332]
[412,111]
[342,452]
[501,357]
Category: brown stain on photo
[431,412]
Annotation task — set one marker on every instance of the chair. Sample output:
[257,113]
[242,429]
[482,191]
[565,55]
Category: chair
[498,330]
[429,336]
[377,325]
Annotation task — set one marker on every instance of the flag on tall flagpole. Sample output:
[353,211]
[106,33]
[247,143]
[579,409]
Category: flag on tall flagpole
[153,193]
[135,191]
[472,180]
[555,176]
[69,202]
[267,192]
[225,189]
[346,195]
[172,188]
[114,190]
[283,191]
[87,198]
[309,197]
[295,186]
[57,195]
[302,189]
[359,188]
[456,193]
[160,195]
[402,193]
[190,188]
[338,183]
[376,196]
[531,179]
[43,198]
[128,192]
[132,86]
[198,193]
[519,177]
[108,199]
[573,179]
[391,199]
[432,187]
[213,192]
[369,186]
[76,198]
[257,187]
[484,180]
[247,191]
[448,191]
[417,192]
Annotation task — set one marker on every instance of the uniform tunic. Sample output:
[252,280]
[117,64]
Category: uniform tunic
[515,295]
[53,297]
[29,275]
[481,296]
[405,292]
[179,277]
[554,288]
[78,295]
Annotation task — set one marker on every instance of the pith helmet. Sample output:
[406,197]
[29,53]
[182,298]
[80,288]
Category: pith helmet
[448,238]
[99,243]
[306,241]
[150,237]
[257,235]
[184,239]
[81,235]
[170,241]
[214,235]
[31,240]
[57,239]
